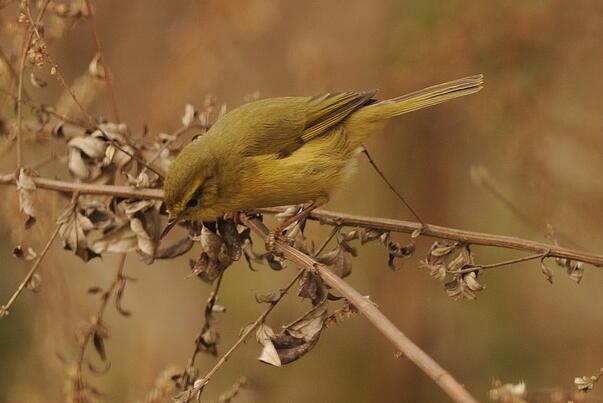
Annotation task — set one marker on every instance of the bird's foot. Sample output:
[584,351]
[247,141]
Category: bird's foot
[274,237]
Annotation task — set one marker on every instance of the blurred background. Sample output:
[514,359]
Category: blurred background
[536,127]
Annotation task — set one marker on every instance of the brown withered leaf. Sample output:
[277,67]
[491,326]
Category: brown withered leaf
[575,269]
[441,249]
[73,227]
[547,271]
[189,115]
[205,268]
[269,355]
[508,392]
[98,338]
[119,295]
[312,287]
[299,337]
[95,68]
[230,236]
[145,224]
[346,311]
[463,286]
[176,249]
[35,282]
[95,289]
[37,81]
[268,297]
[396,250]
[25,189]
[272,261]
[208,341]
[19,253]
[339,261]
[437,270]
[119,239]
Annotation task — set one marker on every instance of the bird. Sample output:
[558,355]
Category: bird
[285,151]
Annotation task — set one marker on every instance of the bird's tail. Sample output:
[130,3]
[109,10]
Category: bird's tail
[421,99]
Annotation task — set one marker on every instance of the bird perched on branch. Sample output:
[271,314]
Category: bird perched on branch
[284,151]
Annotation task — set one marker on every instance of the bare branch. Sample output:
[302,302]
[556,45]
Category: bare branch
[342,219]
[99,50]
[4,309]
[30,34]
[439,375]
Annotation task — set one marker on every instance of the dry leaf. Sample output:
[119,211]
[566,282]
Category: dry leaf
[269,354]
[25,189]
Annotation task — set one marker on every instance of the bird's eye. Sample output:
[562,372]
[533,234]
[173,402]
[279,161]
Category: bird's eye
[192,203]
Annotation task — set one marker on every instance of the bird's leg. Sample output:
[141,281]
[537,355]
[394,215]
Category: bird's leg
[234,216]
[277,233]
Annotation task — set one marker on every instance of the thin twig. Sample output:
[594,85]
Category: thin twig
[440,376]
[87,188]
[391,187]
[96,320]
[99,49]
[106,296]
[249,329]
[30,34]
[4,310]
[206,325]
[437,231]
[503,263]
[485,181]
[245,333]
[342,219]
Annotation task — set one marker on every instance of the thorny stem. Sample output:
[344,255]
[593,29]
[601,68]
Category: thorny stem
[391,187]
[30,35]
[99,49]
[4,310]
[473,268]
[249,329]
[342,219]
[440,376]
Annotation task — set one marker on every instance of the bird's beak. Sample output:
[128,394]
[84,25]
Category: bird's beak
[172,221]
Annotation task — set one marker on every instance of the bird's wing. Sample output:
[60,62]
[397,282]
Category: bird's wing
[326,111]
[282,125]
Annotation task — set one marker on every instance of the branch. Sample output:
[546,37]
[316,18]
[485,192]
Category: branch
[200,384]
[440,376]
[342,219]
[87,188]
[30,35]
[4,309]
[437,231]
[99,50]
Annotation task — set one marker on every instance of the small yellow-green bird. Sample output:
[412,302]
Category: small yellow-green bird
[284,151]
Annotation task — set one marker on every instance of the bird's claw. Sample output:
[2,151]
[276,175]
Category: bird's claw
[273,238]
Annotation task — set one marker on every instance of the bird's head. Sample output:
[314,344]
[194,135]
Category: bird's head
[191,185]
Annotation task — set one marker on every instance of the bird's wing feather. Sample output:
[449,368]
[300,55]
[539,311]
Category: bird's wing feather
[282,125]
[328,110]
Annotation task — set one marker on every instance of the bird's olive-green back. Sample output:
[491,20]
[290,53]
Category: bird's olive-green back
[282,125]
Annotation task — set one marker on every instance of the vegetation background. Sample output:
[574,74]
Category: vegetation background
[536,127]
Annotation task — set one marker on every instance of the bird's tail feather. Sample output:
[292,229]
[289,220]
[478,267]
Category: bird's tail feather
[423,98]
